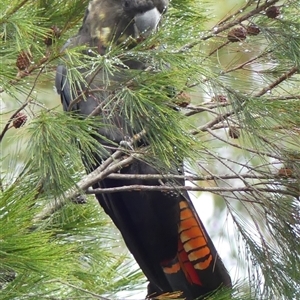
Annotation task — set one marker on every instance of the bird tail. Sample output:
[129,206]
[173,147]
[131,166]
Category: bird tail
[197,269]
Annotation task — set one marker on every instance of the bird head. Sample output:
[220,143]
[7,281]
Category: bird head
[115,20]
[145,14]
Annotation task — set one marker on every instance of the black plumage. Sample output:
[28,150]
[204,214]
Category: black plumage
[156,226]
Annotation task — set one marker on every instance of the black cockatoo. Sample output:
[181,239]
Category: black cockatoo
[161,230]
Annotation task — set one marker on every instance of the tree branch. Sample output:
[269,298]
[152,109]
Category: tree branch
[194,178]
[228,25]
[111,165]
[166,188]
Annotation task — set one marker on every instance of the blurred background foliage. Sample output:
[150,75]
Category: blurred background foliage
[241,104]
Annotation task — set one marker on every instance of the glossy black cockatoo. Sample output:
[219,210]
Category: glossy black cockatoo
[161,230]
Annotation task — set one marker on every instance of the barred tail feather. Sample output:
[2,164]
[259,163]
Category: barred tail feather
[197,269]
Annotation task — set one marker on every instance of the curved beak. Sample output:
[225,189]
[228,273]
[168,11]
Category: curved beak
[147,22]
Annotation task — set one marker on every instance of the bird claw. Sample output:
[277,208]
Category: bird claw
[126,143]
[79,199]
[171,193]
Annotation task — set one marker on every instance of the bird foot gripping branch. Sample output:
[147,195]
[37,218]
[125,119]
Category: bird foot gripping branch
[162,230]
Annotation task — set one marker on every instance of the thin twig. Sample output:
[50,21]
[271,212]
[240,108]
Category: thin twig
[213,122]
[6,127]
[30,70]
[166,188]
[226,26]
[236,13]
[276,82]
[208,106]
[99,174]
[240,66]
[27,101]
[111,165]
[258,152]
[14,9]
[263,91]
[193,178]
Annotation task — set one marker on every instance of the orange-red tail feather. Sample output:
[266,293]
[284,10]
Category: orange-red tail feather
[197,267]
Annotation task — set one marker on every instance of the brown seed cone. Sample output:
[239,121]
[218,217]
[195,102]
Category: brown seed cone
[219,98]
[233,132]
[237,34]
[23,60]
[253,30]
[183,99]
[272,12]
[285,172]
[53,34]
[19,120]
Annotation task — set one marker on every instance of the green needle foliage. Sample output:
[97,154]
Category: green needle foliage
[68,257]
[220,93]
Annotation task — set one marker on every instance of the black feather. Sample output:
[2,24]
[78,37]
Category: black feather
[148,221]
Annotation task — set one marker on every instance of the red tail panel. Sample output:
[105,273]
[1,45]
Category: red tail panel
[193,238]
[197,269]
[186,265]
[193,249]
